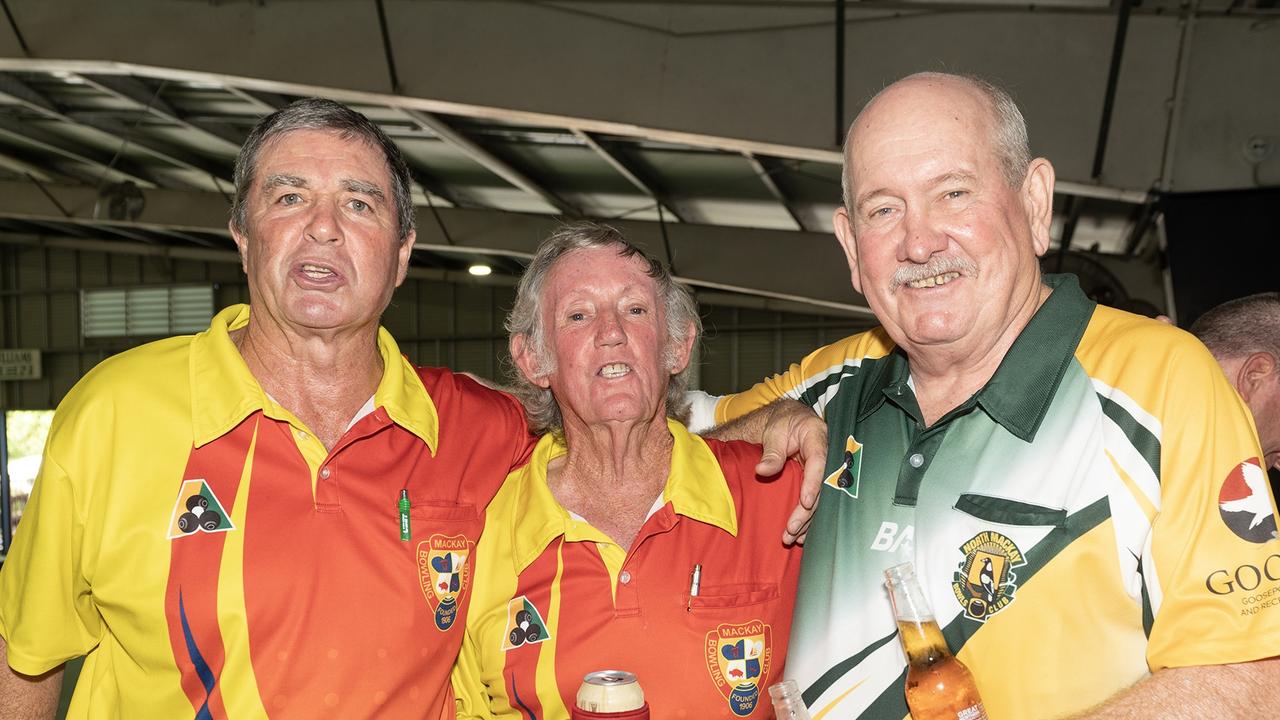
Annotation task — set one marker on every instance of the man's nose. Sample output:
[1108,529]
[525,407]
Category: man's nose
[323,225]
[921,239]
[609,331]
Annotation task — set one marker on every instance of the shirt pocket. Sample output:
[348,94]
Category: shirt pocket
[1006,511]
[443,544]
[725,599]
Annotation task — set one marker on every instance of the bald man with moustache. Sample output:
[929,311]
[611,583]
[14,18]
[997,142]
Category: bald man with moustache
[1096,461]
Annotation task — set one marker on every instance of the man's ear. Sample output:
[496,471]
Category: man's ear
[844,233]
[1037,200]
[683,353]
[406,250]
[1254,372]
[525,358]
[242,245]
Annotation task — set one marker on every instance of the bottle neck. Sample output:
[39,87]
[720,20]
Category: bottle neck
[921,638]
[922,642]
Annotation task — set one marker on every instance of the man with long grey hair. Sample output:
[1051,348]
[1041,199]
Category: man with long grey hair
[626,541]
[1078,487]
[273,517]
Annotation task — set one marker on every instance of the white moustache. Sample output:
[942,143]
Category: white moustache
[935,267]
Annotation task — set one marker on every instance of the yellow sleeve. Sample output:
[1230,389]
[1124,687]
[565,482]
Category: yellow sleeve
[469,694]
[809,380]
[47,613]
[1214,585]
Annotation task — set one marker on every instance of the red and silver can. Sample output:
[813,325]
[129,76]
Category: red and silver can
[610,695]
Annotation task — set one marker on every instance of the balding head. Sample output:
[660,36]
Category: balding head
[987,109]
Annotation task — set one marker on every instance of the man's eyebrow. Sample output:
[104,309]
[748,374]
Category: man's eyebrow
[364,187]
[864,197]
[956,176]
[271,182]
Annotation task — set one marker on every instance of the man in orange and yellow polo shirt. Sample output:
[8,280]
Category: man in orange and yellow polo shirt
[216,525]
[626,542]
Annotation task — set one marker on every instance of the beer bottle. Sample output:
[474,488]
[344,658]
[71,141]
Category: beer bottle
[938,685]
[787,703]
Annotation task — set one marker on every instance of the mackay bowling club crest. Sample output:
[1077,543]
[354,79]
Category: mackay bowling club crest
[848,476]
[738,659]
[984,581]
[445,574]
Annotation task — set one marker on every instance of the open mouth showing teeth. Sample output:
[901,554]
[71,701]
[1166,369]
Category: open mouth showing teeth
[929,282]
[615,370]
[316,272]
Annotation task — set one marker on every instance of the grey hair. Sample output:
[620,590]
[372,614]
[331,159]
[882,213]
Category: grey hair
[1009,133]
[321,114]
[1241,327]
[525,319]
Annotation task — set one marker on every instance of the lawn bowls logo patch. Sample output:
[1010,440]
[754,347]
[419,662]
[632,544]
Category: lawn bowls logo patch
[445,574]
[984,582]
[525,625]
[1245,504]
[197,510]
[848,476]
[738,658]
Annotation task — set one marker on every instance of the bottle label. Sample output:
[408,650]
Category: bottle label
[973,712]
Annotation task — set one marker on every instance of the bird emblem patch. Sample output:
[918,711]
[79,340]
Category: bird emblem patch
[738,658]
[984,581]
[445,574]
[1245,503]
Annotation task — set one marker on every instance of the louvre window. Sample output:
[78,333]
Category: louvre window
[146,311]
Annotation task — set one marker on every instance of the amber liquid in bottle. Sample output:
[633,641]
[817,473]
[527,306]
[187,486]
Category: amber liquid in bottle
[939,687]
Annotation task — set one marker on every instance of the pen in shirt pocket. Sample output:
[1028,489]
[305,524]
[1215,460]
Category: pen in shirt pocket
[695,583]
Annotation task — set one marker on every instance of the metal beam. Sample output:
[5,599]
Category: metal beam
[494,164]
[618,164]
[116,168]
[264,102]
[22,167]
[766,177]
[135,91]
[153,146]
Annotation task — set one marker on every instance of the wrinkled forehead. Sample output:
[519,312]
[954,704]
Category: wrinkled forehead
[303,146]
[598,270]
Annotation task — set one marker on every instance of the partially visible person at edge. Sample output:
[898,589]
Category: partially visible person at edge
[1079,488]
[216,520]
[1244,336]
[626,542]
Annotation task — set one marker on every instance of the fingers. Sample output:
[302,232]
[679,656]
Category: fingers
[797,525]
[814,455]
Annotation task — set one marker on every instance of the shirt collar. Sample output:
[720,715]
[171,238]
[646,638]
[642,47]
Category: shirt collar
[696,488]
[224,392]
[1018,395]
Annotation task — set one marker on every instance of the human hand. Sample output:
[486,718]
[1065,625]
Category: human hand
[792,429]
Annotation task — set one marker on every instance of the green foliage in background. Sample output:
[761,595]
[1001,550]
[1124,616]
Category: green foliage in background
[27,431]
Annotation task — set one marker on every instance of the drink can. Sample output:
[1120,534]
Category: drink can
[610,695]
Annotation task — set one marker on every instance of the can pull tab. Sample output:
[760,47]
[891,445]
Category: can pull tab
[403,505]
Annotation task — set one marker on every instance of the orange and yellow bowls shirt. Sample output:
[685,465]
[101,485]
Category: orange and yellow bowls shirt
[213,560]
[554,598]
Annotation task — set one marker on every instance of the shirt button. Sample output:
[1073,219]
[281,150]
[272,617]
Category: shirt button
[916,460]
[625,577]
[324,473]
